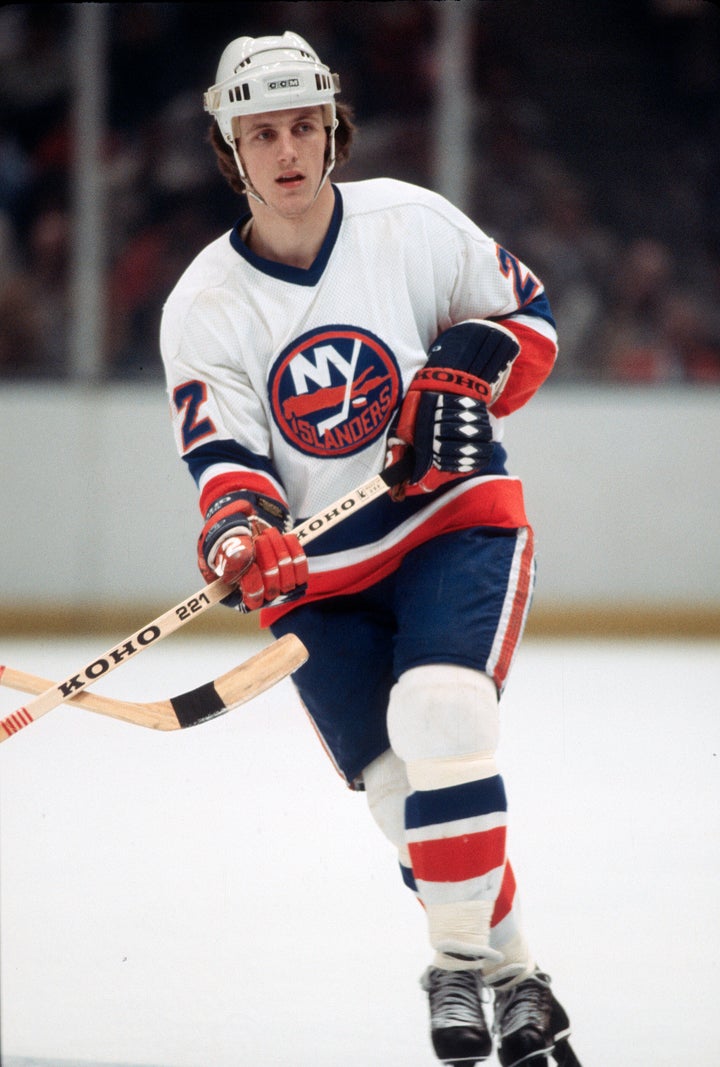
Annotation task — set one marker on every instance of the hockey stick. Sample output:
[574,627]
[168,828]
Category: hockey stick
[239,685]
[194,605]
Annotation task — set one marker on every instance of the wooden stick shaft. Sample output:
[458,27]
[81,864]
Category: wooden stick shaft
[347,505]
[194,605]
[157,714]
[164,625]
[237,686]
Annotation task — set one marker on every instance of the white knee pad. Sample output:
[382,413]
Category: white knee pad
[386,789]
[444,724]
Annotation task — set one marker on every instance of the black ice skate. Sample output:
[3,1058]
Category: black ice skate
[460,1035]
[531,1026]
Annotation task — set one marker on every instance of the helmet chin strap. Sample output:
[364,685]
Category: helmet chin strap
[250,189]
[247,184]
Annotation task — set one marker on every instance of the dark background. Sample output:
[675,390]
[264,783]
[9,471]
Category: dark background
[594,145]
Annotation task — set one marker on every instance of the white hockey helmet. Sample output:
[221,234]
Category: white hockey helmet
[258,74]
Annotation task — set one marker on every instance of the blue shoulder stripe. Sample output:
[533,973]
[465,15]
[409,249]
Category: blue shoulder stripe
[540,306]
[227,451]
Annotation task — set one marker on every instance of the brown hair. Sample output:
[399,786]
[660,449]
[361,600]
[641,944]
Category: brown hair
[226,161]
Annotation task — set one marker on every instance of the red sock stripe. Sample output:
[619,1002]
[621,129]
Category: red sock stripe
[506,896]
[457,859]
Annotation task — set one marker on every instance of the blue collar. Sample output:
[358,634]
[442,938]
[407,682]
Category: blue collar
[294,275]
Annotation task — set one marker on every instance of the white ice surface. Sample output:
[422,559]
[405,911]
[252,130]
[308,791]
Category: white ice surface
[216,898]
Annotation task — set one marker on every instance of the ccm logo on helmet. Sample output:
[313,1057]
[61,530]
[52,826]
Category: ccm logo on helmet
[286,83]
[333,390]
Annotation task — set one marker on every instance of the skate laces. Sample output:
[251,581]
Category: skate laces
[455,997]
[526,1004]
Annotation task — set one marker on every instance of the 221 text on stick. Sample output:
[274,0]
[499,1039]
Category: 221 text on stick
[190,608]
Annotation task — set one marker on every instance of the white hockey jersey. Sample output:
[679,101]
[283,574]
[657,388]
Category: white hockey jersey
[284,381]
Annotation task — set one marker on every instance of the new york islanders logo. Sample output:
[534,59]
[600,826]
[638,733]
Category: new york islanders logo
[333,390]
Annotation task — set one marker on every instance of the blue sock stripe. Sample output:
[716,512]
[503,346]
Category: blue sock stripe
[408,878]
[424,808]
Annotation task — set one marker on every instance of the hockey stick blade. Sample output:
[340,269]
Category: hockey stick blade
[249,679]
[154,631]
[194,605]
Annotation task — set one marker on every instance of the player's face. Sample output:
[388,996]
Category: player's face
[284,155]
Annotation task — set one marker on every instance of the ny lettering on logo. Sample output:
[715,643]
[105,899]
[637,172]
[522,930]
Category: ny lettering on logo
[333,390]
[303,370]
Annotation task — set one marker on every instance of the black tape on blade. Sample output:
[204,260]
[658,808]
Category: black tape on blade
[198,705]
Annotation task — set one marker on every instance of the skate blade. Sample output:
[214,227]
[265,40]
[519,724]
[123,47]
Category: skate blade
[541,1058]
[466,1061]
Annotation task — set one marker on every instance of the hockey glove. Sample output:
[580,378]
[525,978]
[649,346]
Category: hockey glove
[444,415]
[243,549]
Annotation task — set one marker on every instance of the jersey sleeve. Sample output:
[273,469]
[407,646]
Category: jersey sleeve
[219,421]
[491,283]
[533,326]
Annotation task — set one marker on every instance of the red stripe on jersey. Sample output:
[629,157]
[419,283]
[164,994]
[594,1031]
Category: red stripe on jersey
[530,369]
[514,628]
[506,896]
[236,482]
[496,502]
[456,859]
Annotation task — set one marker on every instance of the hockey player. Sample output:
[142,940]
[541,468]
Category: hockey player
[333,328]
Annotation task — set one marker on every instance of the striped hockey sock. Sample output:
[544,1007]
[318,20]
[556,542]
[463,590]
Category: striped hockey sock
[456,838]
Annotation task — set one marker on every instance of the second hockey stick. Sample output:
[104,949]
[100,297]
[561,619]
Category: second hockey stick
[251,678]
[193,606]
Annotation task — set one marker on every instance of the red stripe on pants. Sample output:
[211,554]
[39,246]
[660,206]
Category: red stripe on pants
[515,622]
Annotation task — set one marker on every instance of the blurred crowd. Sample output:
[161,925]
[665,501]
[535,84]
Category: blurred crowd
[594,147]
